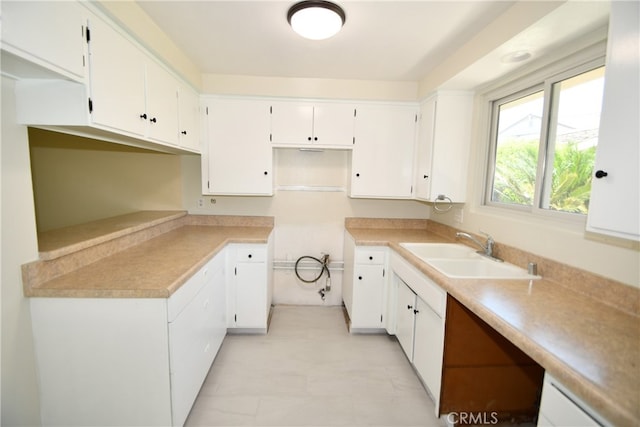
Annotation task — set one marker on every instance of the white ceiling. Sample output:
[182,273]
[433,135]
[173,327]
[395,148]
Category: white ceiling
[381,40]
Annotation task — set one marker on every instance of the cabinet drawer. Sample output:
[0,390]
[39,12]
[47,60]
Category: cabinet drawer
[185,293]
[370,256]
[251,254]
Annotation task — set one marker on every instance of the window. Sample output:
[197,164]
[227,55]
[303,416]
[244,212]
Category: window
[543,143]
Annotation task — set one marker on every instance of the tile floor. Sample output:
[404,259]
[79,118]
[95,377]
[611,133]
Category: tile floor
[309,371]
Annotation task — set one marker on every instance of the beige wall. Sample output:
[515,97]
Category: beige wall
[20,402]
[308,221]
[78,180]
[219,84]
[135,20]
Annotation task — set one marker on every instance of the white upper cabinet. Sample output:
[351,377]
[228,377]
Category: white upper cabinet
[614,207]
[127,95]
[47,34]
[319,124]
[161,104]
[238,156]
[188,118]
[117,80]
[382,159]
[442,151]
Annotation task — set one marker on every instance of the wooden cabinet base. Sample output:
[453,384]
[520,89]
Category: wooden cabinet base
[485,373]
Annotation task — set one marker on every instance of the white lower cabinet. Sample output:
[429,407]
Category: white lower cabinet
[249,287]
[128,361]
[560,408]
[405,317]
[364,286]
[195,336]
[419,322]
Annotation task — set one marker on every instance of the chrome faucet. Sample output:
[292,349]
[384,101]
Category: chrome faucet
[487,248]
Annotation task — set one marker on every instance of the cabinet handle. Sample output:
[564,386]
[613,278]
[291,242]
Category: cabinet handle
[370,258]
[357,175]
[409,307]
[416,311]
[601,174]
[266,173]
[184,132]
[143,116]
[359,277]
[250,256]
[425,176]
[153,120]
[315,138]
[309,139]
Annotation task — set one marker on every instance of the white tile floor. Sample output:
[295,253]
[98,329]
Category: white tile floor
[309,371]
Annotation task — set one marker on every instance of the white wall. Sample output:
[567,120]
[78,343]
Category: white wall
[307,222]
[20,402]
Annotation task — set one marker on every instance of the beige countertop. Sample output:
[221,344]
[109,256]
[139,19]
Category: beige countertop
[149,266]
[591,347]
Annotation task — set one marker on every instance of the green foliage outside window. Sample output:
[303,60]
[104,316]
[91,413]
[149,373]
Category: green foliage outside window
[515,175]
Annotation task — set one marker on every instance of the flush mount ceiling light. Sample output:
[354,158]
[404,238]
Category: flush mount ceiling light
[518,56]
[316,20]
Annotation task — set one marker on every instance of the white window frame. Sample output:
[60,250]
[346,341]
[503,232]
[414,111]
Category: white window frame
[541,79]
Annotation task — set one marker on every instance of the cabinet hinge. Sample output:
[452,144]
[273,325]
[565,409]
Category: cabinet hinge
[383,272]
[235,317]
[90,106]
[416,118]
[87,34]
[381,318]
[270,137]
[235,271]
[355,112]
[208,184]
[271,109]
[354,140]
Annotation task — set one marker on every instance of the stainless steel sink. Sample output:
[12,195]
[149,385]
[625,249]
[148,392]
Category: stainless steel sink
[462,262]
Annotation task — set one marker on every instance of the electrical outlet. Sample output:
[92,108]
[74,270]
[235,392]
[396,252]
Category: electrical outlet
[459,216]
[200,203]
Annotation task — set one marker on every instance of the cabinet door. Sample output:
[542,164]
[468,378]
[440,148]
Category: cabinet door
[450,147]
[382,159]
[251,294]
[442,148]
[368,288]
[614,207]
[428,347]
[161,104]
[333,124]
[239,152]
[405,305]
[47,33]
[188,114]
[424,148]
[292,122]
[117,71]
